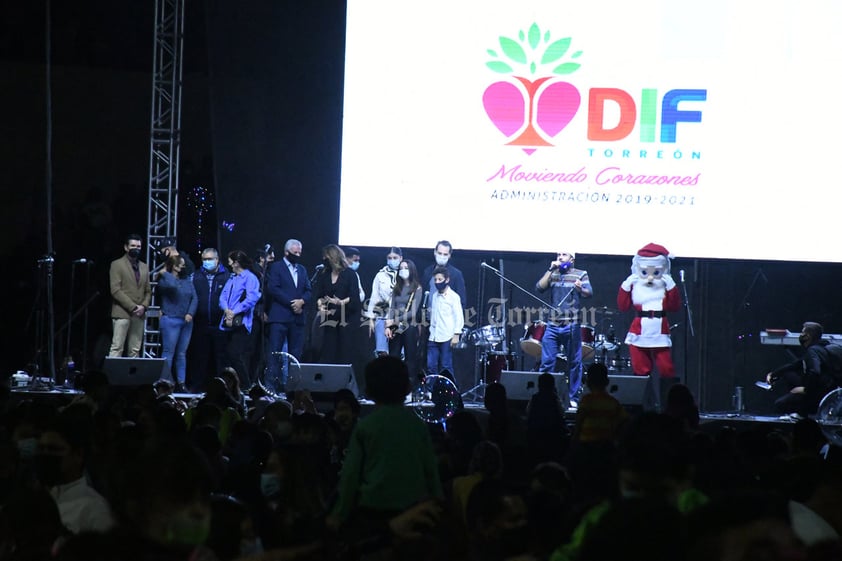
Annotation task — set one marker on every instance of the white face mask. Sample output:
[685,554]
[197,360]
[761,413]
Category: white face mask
[404,273]
[441,261]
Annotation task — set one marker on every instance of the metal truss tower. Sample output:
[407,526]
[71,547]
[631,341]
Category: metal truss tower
[164,146]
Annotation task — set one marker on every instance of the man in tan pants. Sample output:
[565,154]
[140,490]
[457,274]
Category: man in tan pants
[130,298]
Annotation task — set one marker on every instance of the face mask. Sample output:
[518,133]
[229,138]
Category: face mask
[185,529]
[404,274]
[292,258]
[441,261]
[251,547]
[209,264]
[134,253]
[27,448]
[354,265]
[440,286]
[48,469]
[326,263]
[270,484]
[393,263]
[803,339]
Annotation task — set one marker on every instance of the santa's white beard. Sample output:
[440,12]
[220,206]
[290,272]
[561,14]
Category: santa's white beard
[649,297]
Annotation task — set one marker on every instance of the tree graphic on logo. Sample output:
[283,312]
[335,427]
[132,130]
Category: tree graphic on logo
[528,121]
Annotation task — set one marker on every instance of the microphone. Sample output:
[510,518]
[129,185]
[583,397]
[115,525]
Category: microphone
[83,261]
[681,274]
[483,265]
[320,266]
[427,295]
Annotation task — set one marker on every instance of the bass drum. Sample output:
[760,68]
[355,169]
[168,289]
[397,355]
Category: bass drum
[587,342]
[531,341]
[494,364]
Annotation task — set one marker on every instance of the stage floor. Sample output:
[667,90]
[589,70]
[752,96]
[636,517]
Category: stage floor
[472,404]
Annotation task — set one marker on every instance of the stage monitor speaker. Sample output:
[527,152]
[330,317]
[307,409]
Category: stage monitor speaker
[125,371]
[322,378]
[521,385]
[628,390]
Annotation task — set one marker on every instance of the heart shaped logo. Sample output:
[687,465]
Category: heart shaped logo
[535,120]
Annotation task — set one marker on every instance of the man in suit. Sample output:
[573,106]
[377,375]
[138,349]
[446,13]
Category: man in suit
[287,294]
[130,297]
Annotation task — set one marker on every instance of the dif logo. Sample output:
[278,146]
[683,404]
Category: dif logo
[532,114]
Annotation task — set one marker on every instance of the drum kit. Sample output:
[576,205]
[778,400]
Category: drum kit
[598,345]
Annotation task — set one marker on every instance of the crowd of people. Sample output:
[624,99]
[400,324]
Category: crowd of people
[138,475]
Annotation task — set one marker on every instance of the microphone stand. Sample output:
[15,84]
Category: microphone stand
[480,355]
[689,330]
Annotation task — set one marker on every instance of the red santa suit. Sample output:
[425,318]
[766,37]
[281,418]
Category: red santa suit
[651,292]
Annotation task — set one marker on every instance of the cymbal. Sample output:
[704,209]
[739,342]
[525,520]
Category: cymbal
[606,311]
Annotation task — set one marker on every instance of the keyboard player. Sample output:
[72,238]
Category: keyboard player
[805,381]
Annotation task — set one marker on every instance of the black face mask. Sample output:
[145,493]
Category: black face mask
[292,258]
[326,263]
[134,253]
[48,469]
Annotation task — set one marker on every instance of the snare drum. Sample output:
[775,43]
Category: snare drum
[494,364]
[587,342]
[531,341]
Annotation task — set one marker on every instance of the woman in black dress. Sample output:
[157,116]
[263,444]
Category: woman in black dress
[337,297]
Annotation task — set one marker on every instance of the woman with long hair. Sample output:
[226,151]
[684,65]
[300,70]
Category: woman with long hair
[401,325]
[338,300]
[178,306]
[237,300]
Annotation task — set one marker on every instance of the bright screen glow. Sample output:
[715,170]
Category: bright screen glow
[708,126]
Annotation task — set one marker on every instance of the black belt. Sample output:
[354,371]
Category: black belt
[651,314]
[563,322]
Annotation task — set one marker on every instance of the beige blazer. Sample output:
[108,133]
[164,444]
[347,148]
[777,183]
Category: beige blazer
[126,292]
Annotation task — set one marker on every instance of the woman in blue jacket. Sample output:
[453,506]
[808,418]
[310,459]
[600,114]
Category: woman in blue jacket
[178,306]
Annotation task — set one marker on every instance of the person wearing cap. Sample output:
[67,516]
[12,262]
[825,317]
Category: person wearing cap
[651,292]
[381,299]
[567,285]
[806,380]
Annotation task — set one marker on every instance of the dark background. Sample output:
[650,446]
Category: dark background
[261,122]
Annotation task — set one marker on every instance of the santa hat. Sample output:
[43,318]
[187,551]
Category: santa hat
[651,255]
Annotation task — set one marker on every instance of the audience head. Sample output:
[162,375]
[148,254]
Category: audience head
[63,447]
[346,409]
[597,376]
[163,494]
[495,397]
[387,380]
[546,383]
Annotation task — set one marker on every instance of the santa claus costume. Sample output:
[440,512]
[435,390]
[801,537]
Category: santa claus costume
[651,292]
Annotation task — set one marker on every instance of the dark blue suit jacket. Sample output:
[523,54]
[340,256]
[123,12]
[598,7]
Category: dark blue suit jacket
[281,290]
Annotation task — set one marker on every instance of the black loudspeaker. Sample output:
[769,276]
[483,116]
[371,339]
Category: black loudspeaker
[521,385]
[628,390]
[323,379]
[125,371]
